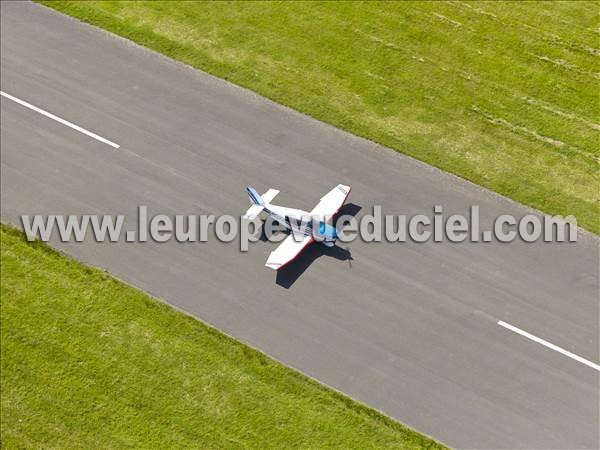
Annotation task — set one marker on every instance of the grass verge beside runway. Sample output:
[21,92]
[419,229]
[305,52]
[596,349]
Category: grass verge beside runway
[504,94]
[89,362]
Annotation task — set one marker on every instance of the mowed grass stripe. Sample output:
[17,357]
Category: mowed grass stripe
[89,362]
[505,94]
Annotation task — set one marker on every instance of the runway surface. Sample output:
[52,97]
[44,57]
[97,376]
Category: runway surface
[410,329]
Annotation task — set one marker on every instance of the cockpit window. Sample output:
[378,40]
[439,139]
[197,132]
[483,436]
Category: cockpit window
[322,227]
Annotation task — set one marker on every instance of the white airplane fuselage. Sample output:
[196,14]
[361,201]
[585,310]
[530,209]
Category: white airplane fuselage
[301,222]
[306,227]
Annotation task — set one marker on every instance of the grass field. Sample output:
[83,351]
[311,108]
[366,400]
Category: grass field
[89,362]
[503,94]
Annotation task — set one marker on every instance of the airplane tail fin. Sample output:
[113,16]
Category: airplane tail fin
[257,204]
[255,198]
[258,201]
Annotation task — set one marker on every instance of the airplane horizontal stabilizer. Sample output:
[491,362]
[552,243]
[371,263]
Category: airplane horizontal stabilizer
[252,212]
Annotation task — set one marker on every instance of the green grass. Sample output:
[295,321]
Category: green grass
[503,94]
[89,362]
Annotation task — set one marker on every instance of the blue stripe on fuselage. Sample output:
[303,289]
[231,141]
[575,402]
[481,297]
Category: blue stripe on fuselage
[329,234]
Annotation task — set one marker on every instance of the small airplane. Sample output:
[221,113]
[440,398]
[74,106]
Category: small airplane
[306,227]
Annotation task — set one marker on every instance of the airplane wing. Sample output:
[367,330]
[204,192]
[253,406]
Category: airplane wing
[331,202]
[287,251]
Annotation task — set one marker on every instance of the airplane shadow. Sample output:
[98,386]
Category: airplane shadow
[288,275]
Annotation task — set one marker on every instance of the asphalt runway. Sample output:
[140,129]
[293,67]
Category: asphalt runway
[410,329]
